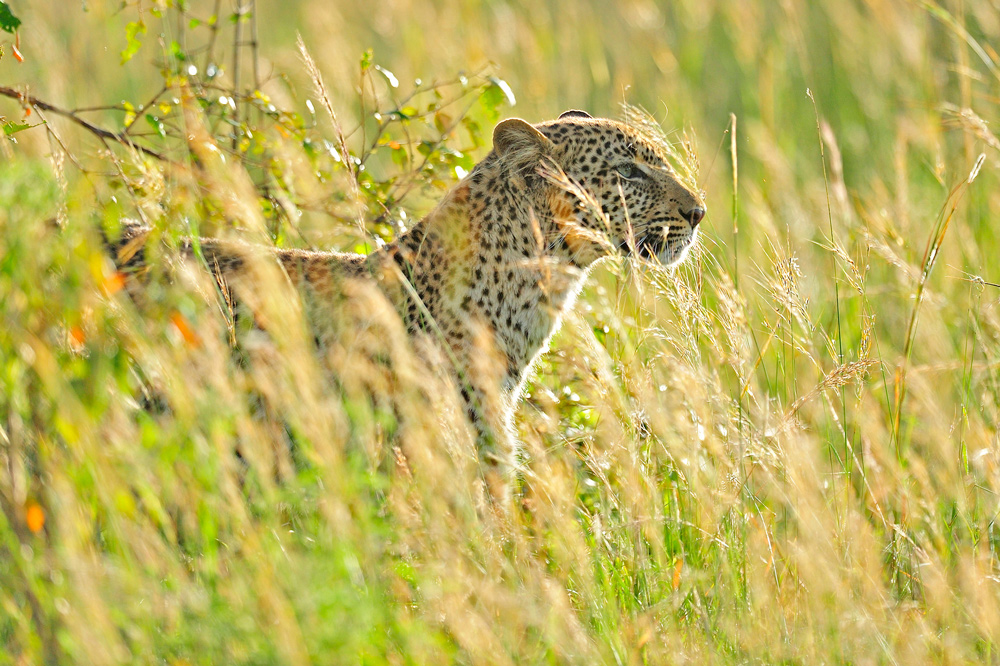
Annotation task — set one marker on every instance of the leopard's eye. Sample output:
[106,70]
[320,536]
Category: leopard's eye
[629,171]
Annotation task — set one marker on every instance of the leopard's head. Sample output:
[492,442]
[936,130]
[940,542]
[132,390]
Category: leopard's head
[608,186]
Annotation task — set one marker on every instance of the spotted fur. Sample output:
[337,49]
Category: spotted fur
[501,258]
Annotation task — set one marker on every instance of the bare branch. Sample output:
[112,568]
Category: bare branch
[100,132]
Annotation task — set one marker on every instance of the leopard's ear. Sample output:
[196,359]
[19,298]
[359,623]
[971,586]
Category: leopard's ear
[575,113]
[517,138]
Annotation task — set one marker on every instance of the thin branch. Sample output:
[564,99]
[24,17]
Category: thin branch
[237,38]
[151,102]
[214,27]
[254,45]
[100,132]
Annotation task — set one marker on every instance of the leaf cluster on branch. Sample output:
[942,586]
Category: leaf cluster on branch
[376,168]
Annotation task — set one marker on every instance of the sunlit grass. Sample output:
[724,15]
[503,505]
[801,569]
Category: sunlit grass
[784,451]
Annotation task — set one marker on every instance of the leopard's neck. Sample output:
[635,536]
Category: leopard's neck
[488,267]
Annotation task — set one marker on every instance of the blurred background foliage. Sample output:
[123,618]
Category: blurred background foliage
[883,73]
[785,451]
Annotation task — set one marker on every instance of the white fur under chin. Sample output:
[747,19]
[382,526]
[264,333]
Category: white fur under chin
[672,256]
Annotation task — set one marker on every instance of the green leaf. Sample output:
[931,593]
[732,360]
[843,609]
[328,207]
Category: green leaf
[494,96]
[500,86]
[157,126]
[406,113]
[399,156]
[11,128]
[425,148]
[177,52]
[309,147]
[132,32]
[8,21]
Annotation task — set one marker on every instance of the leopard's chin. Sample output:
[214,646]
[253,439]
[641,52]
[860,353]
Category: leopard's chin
[670,250]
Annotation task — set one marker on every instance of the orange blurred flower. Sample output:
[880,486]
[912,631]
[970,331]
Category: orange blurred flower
[182,325]
[34,516]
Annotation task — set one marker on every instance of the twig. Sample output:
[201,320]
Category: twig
[254,45]
[100,132]
[237,38]
[151,102]
[62,144]
[976,280]
[214,28]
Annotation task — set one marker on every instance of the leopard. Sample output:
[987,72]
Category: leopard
[500,260]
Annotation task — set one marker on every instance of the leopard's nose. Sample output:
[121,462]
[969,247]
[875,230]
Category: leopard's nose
[694,216]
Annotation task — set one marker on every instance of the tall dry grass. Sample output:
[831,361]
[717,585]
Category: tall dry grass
[784,451]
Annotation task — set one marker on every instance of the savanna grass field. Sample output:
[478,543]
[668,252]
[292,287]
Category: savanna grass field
[783,451]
